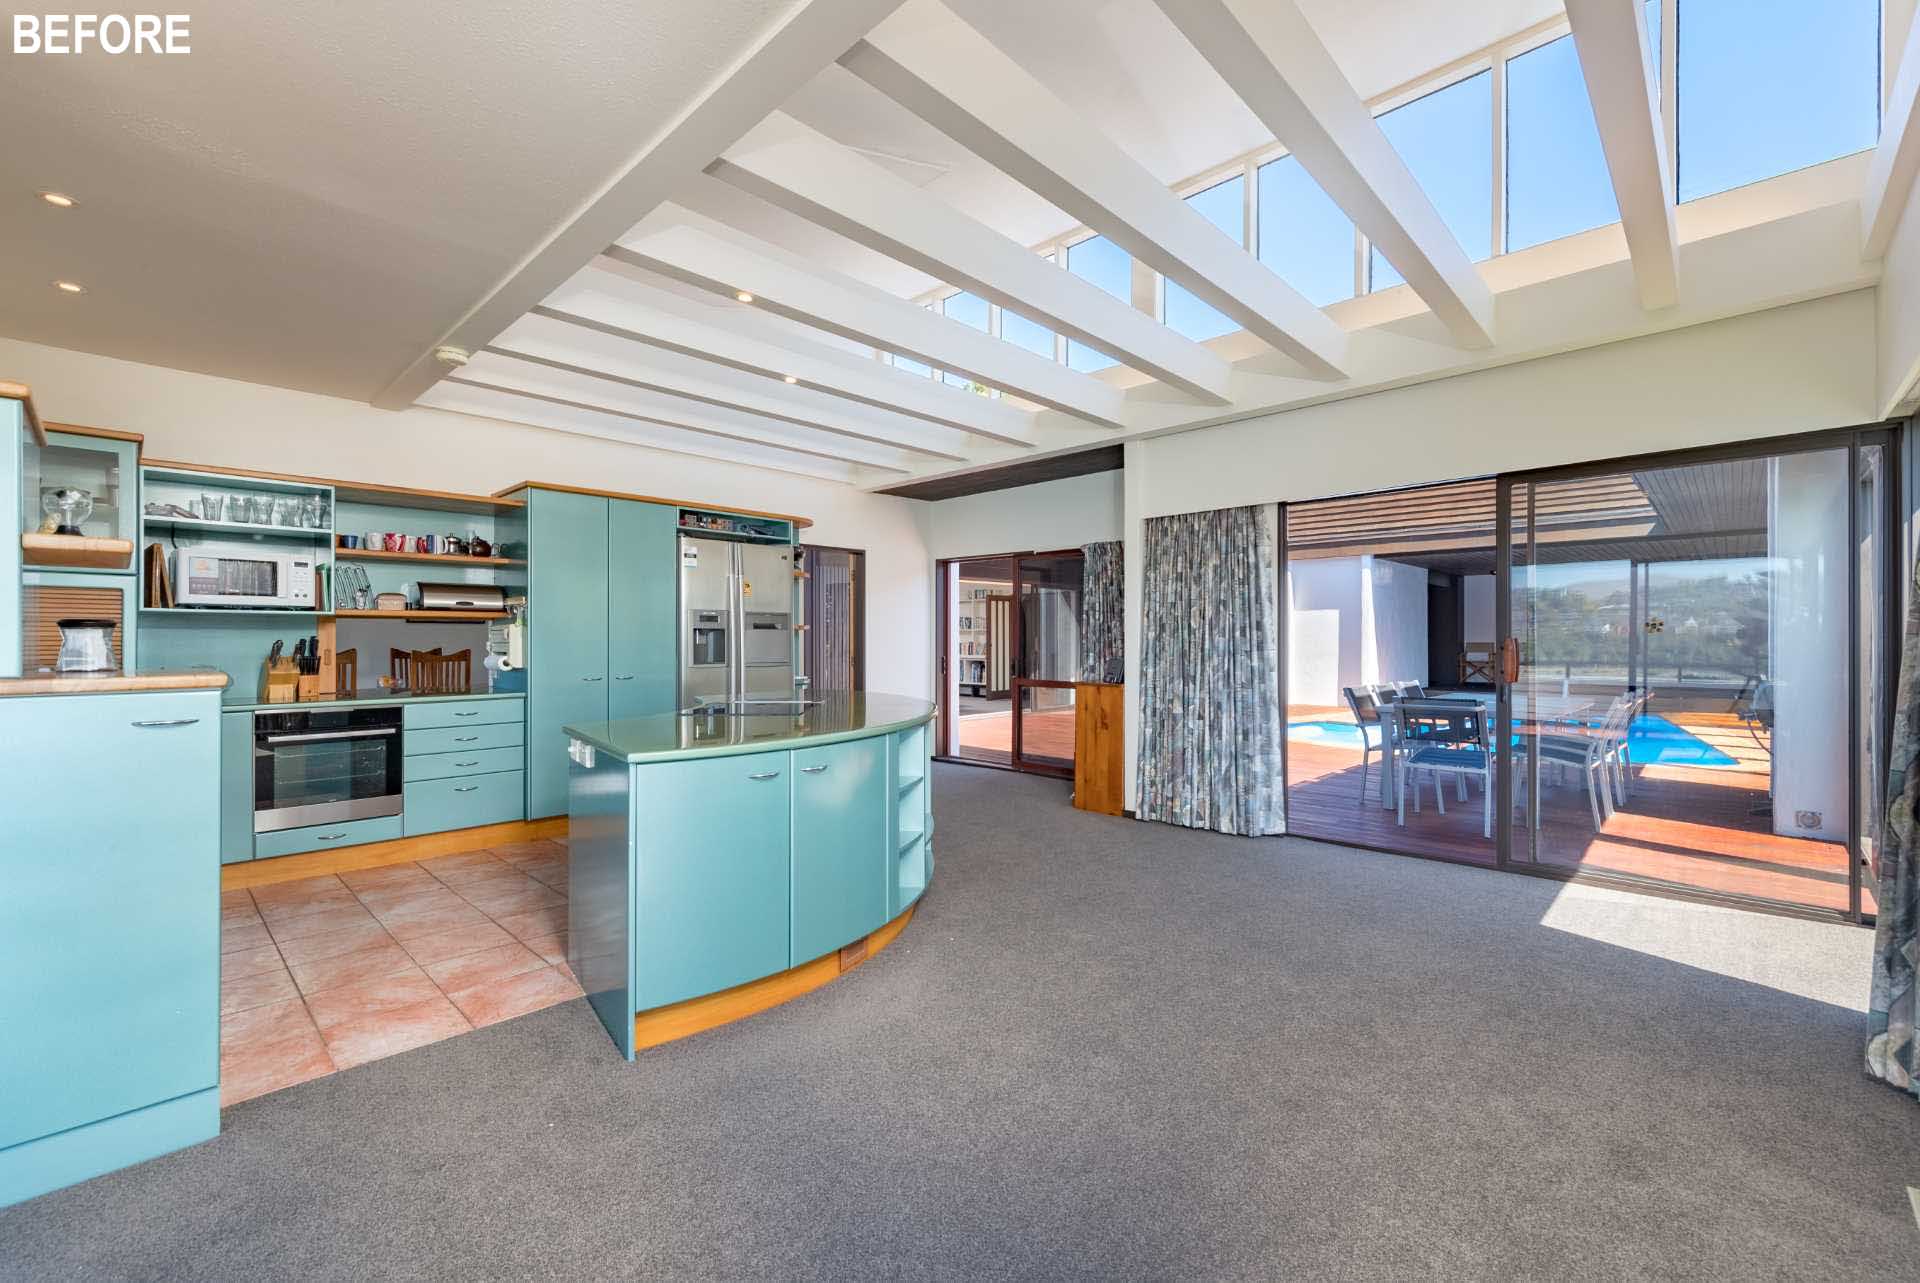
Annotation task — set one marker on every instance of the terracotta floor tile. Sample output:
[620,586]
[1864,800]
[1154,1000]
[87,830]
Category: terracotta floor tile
[355,1042]
[441,945]
[242,963]
[387,876]
[352,968]
[234,899]
[370,998]
[243,935]
[241,993]
[277,914]
[295,891]
[479,859]
[514,996]
[503,902]
[268,1048]
[238,917]
[331,944]
[314,924]
[552,948]
[473,875]
[471,969]
[539,922]
[426,922]
[402,901]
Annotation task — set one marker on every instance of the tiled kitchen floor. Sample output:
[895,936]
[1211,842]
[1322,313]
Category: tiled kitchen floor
[331,972]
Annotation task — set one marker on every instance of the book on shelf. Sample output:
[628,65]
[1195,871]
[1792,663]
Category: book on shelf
[159,585]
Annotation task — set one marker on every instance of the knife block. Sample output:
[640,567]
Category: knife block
[279,681]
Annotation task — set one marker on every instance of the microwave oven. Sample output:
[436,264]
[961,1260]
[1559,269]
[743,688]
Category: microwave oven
[243,577]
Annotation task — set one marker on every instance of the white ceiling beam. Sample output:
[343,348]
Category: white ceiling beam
[1612,39]
[563,386]
[982,99]
[1896,161]
[787,164]
[698,251]
[492,403]
[560,345]
[609,296]
[1269,54]
[808,38]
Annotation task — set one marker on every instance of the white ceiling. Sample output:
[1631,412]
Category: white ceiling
[318,196]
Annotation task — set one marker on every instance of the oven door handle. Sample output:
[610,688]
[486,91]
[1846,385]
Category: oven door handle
[330,735]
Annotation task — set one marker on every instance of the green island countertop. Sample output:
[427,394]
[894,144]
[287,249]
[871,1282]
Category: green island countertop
[674,736]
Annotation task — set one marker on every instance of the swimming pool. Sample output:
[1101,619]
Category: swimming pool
[1649,740]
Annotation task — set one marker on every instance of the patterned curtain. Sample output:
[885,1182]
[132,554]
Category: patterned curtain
[1893,1054]
[1102,614]
[1210,722]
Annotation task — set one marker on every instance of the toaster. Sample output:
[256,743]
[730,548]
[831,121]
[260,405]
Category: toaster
[461,597]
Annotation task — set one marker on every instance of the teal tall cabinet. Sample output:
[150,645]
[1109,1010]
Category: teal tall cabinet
[602,593]
[13,444]
[109,932]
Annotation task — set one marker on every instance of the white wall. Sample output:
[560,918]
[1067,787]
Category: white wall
[1807,643]
[200,419]
[1395,623]
[1044,517]
[1476,597]
[1324,629]
[1791,369]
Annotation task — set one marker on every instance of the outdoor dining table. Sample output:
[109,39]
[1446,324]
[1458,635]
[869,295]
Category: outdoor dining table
[1528,710]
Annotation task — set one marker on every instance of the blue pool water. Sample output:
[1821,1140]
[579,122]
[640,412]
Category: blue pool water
[1650,739]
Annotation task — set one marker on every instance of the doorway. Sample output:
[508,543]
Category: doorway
[1009,639]
[833,617]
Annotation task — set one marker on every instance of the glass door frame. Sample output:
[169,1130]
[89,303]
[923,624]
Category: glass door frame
[943,643]
[1884,435]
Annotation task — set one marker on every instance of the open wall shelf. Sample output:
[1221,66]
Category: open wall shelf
[435,558]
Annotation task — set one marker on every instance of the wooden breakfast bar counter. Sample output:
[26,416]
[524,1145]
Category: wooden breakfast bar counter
[713,852]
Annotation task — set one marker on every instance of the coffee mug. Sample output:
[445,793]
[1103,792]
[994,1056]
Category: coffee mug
[373,540]
[421,543]
[349,541]
[395,541]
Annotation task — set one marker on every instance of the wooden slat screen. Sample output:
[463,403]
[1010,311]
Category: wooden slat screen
[42,609]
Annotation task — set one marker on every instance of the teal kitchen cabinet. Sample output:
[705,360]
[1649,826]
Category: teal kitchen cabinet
[643,607]
[109,932]
[236,787]
[567,634]
[464,801]
[465,765]
[711,856]
[840,845]
[326,837]
[433,714]
[13,437]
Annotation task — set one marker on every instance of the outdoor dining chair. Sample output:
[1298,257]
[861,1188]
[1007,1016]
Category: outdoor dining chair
[1443,737]
[1373,735]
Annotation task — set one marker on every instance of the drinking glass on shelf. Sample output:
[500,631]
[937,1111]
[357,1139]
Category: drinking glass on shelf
[315,510]
[213,507]
[262,506]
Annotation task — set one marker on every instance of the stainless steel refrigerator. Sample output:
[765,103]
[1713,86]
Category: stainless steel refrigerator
[736,620]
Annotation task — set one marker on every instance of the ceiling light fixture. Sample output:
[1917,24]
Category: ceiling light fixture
[743,296]
[792,378]
[70,287]
[452,356]
[59,200]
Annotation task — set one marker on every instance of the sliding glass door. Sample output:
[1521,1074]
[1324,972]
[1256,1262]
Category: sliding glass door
[1047,630]
[1010,657]
[1697,664]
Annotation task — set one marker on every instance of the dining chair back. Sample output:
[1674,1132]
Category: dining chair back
[438,674]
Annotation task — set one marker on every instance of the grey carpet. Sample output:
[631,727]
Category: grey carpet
[1106,1050]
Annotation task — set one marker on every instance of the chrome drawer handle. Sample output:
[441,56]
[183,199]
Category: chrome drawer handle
[474,762]
[328,837]
[764,775]
[813,770]
[465,739]
[593,679]
[471,788]
[474,713]
[627,678]
[177,721]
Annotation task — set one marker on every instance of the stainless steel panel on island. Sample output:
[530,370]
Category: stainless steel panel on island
[713,850]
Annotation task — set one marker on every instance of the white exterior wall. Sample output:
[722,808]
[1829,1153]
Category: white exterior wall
[1324,630]
[1396,621]
[1477,599]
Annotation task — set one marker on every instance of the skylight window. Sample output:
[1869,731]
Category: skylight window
[1304,237]
[1770,86]
[968,309]
[1557,177]
[1099,260]
[1445,141]
[1225,206]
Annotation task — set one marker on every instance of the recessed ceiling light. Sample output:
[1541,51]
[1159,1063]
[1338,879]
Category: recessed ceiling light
[70,287]
[743,296]
[792,378]
[60,199]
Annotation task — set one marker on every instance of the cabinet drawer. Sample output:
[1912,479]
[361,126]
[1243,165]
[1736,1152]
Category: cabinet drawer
[324,837]
[464,712]
[481,761]
[461,802]
[465,739]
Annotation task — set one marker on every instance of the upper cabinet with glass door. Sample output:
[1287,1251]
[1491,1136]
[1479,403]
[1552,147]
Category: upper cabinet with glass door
[79,501]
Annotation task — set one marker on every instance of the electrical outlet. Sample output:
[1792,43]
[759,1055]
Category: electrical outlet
[1808,819]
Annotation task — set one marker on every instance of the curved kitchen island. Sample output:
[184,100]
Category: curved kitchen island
[750,854]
